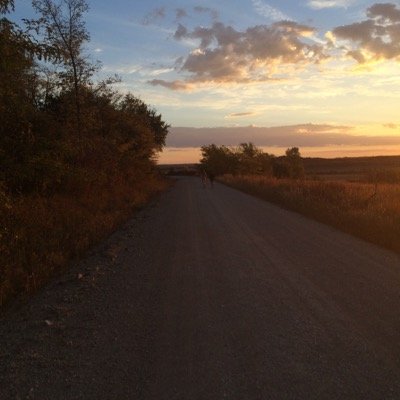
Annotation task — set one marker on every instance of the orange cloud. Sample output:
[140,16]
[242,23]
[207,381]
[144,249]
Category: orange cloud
[173,85]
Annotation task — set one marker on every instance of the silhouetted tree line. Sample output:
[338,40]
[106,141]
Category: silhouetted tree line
[59,129]
[248,159]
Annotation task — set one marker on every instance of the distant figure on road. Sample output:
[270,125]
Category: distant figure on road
[211,176]
[204,178]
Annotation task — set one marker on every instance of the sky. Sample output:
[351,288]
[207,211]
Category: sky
[322,75]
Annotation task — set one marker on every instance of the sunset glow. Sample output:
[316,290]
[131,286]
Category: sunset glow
[258,63]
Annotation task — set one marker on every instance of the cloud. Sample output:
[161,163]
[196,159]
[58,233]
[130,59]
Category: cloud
[240,114]
[303,135]
[374,39]
[159,71]
[173,85]
[154,15]
[321,4]
[384,12]
[269,12]
[206,10]
[181,32]
[180,13]
[391,125]
[226,55]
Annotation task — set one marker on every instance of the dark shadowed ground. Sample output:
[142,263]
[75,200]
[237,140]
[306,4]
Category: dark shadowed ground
[212,294]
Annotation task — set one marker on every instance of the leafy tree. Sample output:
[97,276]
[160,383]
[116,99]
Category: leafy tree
[290,165]
[147,117]
[6,6]
[245,159]
[249,159]
[16,63]
[252,160]
[295,163]
[37,99]
[218,160]
[65,32]
[265,163]
[141,129]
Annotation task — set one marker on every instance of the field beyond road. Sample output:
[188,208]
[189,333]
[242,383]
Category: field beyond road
[212,294]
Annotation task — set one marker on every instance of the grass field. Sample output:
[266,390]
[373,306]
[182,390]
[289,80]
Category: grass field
[370,211]
[354,169]
[40,235]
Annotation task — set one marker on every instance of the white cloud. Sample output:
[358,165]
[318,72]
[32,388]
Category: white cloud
[142,70]
[159,71]
[121,69]
[269,12]
[320,4]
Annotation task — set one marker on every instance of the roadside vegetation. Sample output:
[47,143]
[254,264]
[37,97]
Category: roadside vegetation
[368,208]
[77,157]
[248,159]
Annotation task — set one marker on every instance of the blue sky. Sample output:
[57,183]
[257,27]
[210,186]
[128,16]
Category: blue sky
[256,63]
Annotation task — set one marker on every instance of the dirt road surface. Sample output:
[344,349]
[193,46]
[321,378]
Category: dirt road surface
[212,294]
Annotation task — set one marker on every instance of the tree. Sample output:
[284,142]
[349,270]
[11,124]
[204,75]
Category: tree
[16,110]
[245,159]
[218,160]
[252,160]
[295,163]
[66,33]
[290,165]
[6,6]
[141,126]
[42,102]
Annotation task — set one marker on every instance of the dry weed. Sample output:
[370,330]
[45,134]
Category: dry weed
[370,211]
[39,235]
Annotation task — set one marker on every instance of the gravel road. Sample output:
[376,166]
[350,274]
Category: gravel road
[211,294]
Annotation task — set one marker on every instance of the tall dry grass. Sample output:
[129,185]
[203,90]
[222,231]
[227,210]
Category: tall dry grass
[369,211]
[39,235]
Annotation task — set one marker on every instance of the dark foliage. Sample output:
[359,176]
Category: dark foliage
[248,159]
[76,157]
[57,126]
